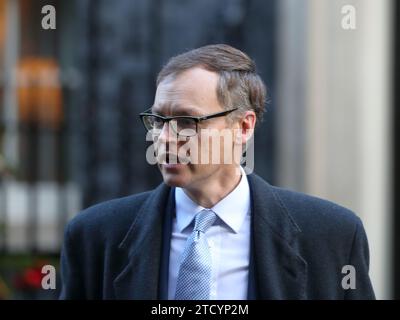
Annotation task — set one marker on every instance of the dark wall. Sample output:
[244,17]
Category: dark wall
[121,46]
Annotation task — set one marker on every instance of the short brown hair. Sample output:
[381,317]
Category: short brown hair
[238,86]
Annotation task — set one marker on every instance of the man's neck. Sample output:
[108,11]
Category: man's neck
[214,190]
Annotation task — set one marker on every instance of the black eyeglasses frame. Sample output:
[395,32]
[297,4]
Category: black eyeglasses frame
[197,119]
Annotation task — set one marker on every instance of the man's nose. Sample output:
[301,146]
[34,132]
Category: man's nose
[166,133]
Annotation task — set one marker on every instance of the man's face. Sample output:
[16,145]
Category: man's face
[191,93]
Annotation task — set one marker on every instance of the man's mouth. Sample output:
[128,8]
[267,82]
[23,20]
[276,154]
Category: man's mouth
[171,159]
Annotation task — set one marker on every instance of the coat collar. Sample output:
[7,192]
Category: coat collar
[141,248]
[280,269]
[281,272]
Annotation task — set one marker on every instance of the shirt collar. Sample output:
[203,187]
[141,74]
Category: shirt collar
[232,209]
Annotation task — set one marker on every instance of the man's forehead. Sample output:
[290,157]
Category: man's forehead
[195,81]
[189,93]
[171,107]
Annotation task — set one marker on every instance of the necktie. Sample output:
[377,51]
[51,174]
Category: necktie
[194,277]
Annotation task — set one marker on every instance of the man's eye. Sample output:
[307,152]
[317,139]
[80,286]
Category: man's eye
[186,123]
[158,122]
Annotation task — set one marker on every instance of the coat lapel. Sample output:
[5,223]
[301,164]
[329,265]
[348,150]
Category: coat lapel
[280,270]
[142,250]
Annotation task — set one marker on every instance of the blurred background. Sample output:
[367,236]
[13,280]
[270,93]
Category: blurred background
[69,98]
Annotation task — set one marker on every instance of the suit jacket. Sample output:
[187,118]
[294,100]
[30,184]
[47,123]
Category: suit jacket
[119,249]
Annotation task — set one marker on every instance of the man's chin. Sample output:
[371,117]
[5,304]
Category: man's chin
[174,181]
[174,175]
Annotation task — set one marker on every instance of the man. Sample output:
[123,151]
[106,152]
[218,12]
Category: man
[210,231]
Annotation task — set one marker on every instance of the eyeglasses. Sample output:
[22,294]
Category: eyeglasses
[185,126]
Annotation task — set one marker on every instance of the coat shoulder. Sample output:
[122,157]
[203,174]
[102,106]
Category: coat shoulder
[114,215]
[314,214]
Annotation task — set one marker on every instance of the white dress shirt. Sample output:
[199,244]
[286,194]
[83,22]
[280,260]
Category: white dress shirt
[228,239]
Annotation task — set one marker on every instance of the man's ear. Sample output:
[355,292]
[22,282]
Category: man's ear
[246,127]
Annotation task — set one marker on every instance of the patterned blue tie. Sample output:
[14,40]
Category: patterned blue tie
[194,277]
